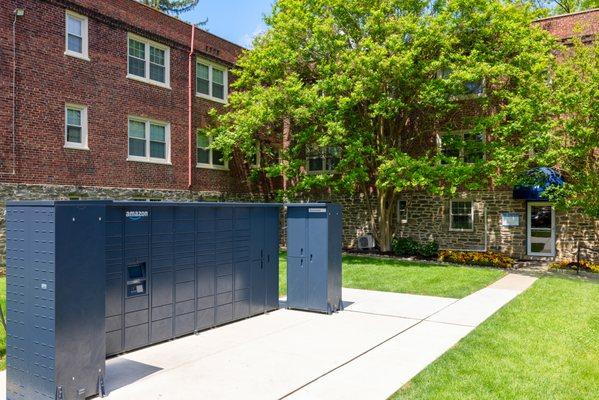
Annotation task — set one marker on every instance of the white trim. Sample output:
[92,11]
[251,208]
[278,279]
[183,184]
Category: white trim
[167,62]
[211,65]
[399,219]
[84,127]
[210,164]
[529,251]
[451,228]
[167,141]
[258,156]
[84,55]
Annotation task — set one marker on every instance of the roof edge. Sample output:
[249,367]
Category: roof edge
[592,10]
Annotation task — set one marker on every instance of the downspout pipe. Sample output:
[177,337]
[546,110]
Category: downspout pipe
[17,13]
[190,109]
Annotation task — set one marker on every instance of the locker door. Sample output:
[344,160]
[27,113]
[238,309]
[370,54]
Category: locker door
[297,274]
[257,279]
[272,258]
[317,258]
[296,231]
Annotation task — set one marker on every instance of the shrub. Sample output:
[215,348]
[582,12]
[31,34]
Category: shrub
[429,249]
[404,246]
[487,259]
[408,247]
[584,265]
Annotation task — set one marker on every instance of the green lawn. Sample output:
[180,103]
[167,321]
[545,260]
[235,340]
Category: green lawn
[543,345]
[408,276]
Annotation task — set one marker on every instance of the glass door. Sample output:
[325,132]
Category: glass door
[541,229]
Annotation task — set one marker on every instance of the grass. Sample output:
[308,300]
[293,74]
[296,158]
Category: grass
[542,345]
[407,276]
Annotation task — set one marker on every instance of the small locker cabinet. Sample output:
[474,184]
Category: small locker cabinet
[314,257]
[55,300]
[177,268]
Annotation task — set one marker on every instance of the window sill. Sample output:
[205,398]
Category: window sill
[148,160]
[80,56]
[323,172]
[461,230]
[214,167]
[149,81]
[214,99]
[73,146]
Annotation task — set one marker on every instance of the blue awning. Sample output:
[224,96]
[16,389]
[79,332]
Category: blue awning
[538,180]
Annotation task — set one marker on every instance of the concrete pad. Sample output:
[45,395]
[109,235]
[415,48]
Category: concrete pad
[265,365]
[394,304]
[477,307]
[381,372]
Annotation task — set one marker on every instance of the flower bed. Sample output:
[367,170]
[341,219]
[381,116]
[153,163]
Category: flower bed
[584,266]
[488,259]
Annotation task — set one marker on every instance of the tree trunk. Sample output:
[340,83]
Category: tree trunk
[386,203]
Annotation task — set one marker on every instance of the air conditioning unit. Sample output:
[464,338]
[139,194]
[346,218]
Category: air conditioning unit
[366,242]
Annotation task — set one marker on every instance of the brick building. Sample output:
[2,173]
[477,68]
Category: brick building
[100,103]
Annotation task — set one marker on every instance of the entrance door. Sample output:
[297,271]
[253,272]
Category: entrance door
[541,229]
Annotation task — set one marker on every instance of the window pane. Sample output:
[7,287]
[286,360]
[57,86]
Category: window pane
[203,141]
[315,164]
[137,67]
[217,158]
[450,145]
[75,44]
[474,87]
[461,208]
[473,147]
[73,134]
[218,91]
[202,71]
[157,56]
[540,217]
[203,86]
[137,147]
[157,150]
[137,49]
[74,117]
[461,222]
[158,133]
[157,73]
[74,26]
[203,156]
[218,76]
[137,129]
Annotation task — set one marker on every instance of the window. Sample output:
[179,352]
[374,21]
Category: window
[402,211]
[149,141]
[75,131]
[255,158]
[148,61]
[474,88]
[464,145]
[211,81]
[76,35]
[207,157]
[323,160]
[461,215]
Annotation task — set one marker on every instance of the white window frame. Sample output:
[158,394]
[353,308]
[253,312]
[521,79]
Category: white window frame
[401,220]
[211,66]
[147,158]
[258,157]
[84,55]
[451,228]
[84,141]
[210,164]
[167,61]
[463,134]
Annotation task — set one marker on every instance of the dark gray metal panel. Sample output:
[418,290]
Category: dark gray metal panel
[257,272]
[314,281]
[271,239]
[80,299]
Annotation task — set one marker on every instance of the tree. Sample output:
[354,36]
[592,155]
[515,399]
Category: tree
[171,6]
[377,81]
[574,144]
[557,7]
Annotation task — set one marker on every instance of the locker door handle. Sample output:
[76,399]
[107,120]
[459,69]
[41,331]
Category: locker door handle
[310,257]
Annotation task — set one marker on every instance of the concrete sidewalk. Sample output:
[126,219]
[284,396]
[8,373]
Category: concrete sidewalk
[368,351]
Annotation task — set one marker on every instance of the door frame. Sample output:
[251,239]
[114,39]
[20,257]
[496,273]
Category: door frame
[529,251]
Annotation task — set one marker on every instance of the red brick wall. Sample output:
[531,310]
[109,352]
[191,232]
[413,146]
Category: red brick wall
[585,23]
[47,79]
